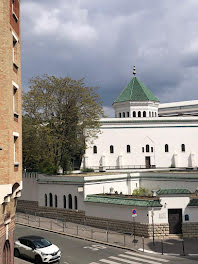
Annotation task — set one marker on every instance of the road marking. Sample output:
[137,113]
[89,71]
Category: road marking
[96,247]
[139,259]
[108,261]
[124,260]
[144,256]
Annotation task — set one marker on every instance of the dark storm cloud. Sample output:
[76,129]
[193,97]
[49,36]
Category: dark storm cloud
[100,40]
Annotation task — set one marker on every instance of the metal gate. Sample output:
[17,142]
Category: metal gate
[175,221]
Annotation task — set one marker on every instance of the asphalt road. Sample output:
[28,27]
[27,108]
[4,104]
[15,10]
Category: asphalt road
[78,251]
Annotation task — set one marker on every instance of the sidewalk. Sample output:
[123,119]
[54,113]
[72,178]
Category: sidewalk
[174,246]
[20,261]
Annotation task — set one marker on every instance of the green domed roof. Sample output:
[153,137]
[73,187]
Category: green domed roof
[136,91]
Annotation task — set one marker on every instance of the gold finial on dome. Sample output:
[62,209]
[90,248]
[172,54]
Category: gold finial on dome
[134,70]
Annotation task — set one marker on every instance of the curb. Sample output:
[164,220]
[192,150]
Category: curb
[79,237]
[105,243]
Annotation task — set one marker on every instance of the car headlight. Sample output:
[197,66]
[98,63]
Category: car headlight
[44,254]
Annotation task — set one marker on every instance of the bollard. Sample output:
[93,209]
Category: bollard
[63,227]
[124,240]
[77,230]
[162,244]
[107,232]
[51,224]
[28,219]
[39,221]
[143,244]
[183,247]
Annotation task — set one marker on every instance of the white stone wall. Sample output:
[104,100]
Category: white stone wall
[169,202]
[118,212]
[30,187]
[156,135]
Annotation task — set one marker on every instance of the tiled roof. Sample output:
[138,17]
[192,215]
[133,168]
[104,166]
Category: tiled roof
[123,201]
[172,191]
[193,202]
[136,91]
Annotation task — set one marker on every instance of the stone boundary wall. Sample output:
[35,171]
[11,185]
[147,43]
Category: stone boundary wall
[190,230]
[79,217]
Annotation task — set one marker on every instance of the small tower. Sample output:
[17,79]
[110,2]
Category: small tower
[136,101]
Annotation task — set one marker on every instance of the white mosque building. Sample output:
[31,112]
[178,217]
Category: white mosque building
[145,133]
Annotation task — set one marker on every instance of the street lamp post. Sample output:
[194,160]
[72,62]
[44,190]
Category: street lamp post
[152,216]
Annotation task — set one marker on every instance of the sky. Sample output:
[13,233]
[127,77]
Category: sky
[101,40]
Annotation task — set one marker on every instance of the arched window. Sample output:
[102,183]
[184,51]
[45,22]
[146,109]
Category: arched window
[142,149]
[76,202]
[151,149]
[70,201]
[64,202]
[155,114]
[56,200]
[45,199]
[134,114]
[95,149]
[166,147]
[144,113]
[183,147]
[147,148]
[123,114]
[149,114]
[50,200]
[139,114]
[127,114]
[111,149]
[128,148]
[120,115]
[6,253]
[152,114]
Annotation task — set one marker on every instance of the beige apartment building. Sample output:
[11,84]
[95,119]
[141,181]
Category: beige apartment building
[10,124]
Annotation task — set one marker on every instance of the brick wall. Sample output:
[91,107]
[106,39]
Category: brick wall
[190,230]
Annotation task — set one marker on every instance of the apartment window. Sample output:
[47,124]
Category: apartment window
[56,200]
[15,51]
[147,148]
[166,148]
[123,114]
[134,114]
[15,99]
[45,199]
[15,10]
[70,201]
[128,148]
[16,149]
[64,202]
[183,148]
[95,149]
[111,149]
[127,114]
[50,200]
[76,202]
[144,113]
[139,114]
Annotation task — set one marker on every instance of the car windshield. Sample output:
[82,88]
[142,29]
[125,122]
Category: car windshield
[41,243]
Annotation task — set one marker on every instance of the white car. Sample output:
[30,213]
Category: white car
[37,248]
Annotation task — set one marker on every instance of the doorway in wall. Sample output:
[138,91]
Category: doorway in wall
[148,162]
[175,221]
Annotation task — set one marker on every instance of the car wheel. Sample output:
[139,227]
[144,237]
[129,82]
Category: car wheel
[38,260]
[17,253]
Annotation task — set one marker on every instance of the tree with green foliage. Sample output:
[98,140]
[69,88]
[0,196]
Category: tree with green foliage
[141,191]
[56,111]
